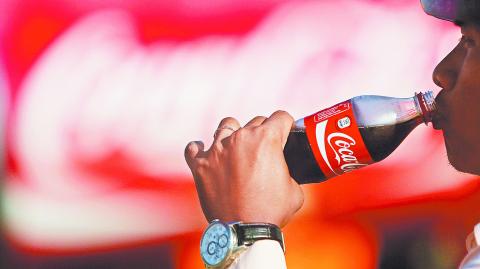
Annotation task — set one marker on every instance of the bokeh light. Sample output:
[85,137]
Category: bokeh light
[103,96]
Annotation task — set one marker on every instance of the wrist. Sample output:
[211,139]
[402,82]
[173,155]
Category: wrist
[222,243]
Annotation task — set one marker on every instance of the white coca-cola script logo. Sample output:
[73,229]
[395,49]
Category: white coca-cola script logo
[346,159]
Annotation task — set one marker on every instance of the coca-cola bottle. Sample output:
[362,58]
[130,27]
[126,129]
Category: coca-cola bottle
[353,134]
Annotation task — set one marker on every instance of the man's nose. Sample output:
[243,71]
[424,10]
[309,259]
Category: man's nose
[446,73]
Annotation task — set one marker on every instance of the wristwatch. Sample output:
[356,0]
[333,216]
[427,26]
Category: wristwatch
[222,242]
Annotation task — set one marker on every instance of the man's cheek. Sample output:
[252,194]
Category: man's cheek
[471,65]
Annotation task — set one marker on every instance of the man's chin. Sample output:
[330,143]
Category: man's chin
[460,158]
[464,164]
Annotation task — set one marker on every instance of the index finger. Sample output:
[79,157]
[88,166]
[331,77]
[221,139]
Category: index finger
[282,122]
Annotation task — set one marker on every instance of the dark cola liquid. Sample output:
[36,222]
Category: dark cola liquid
[301,163]
[380,141]
[384,122]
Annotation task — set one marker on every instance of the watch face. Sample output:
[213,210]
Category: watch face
[215,243]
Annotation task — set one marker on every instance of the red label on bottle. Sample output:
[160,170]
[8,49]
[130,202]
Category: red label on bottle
[336,141]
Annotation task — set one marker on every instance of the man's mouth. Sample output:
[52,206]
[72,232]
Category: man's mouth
[438,119]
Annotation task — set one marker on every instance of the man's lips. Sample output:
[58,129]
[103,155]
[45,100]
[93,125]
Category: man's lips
[438,119]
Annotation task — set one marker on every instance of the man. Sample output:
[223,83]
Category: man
[243,175]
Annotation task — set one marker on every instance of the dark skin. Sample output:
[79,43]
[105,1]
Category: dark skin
[243,175]
[459,101]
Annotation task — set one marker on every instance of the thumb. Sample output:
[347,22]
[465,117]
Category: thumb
[298,197]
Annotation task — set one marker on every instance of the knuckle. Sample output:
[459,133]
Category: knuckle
[241,137]
[256,121]
[227,120]
[241,134]
[284,114]
[259,118]
[190,147]
[215,149]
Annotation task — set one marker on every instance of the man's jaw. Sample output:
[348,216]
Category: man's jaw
[458,158]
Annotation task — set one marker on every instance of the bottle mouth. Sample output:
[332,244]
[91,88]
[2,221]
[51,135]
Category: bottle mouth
[427,104]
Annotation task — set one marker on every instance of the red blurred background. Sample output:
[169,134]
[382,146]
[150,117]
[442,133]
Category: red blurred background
[99,99]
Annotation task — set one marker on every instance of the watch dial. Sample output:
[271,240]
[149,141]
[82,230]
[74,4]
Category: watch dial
[215,244]
[223,241]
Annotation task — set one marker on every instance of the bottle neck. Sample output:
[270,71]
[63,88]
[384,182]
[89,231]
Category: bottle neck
[426,106]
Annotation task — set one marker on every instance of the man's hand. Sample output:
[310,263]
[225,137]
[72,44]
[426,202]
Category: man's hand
[243,176]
